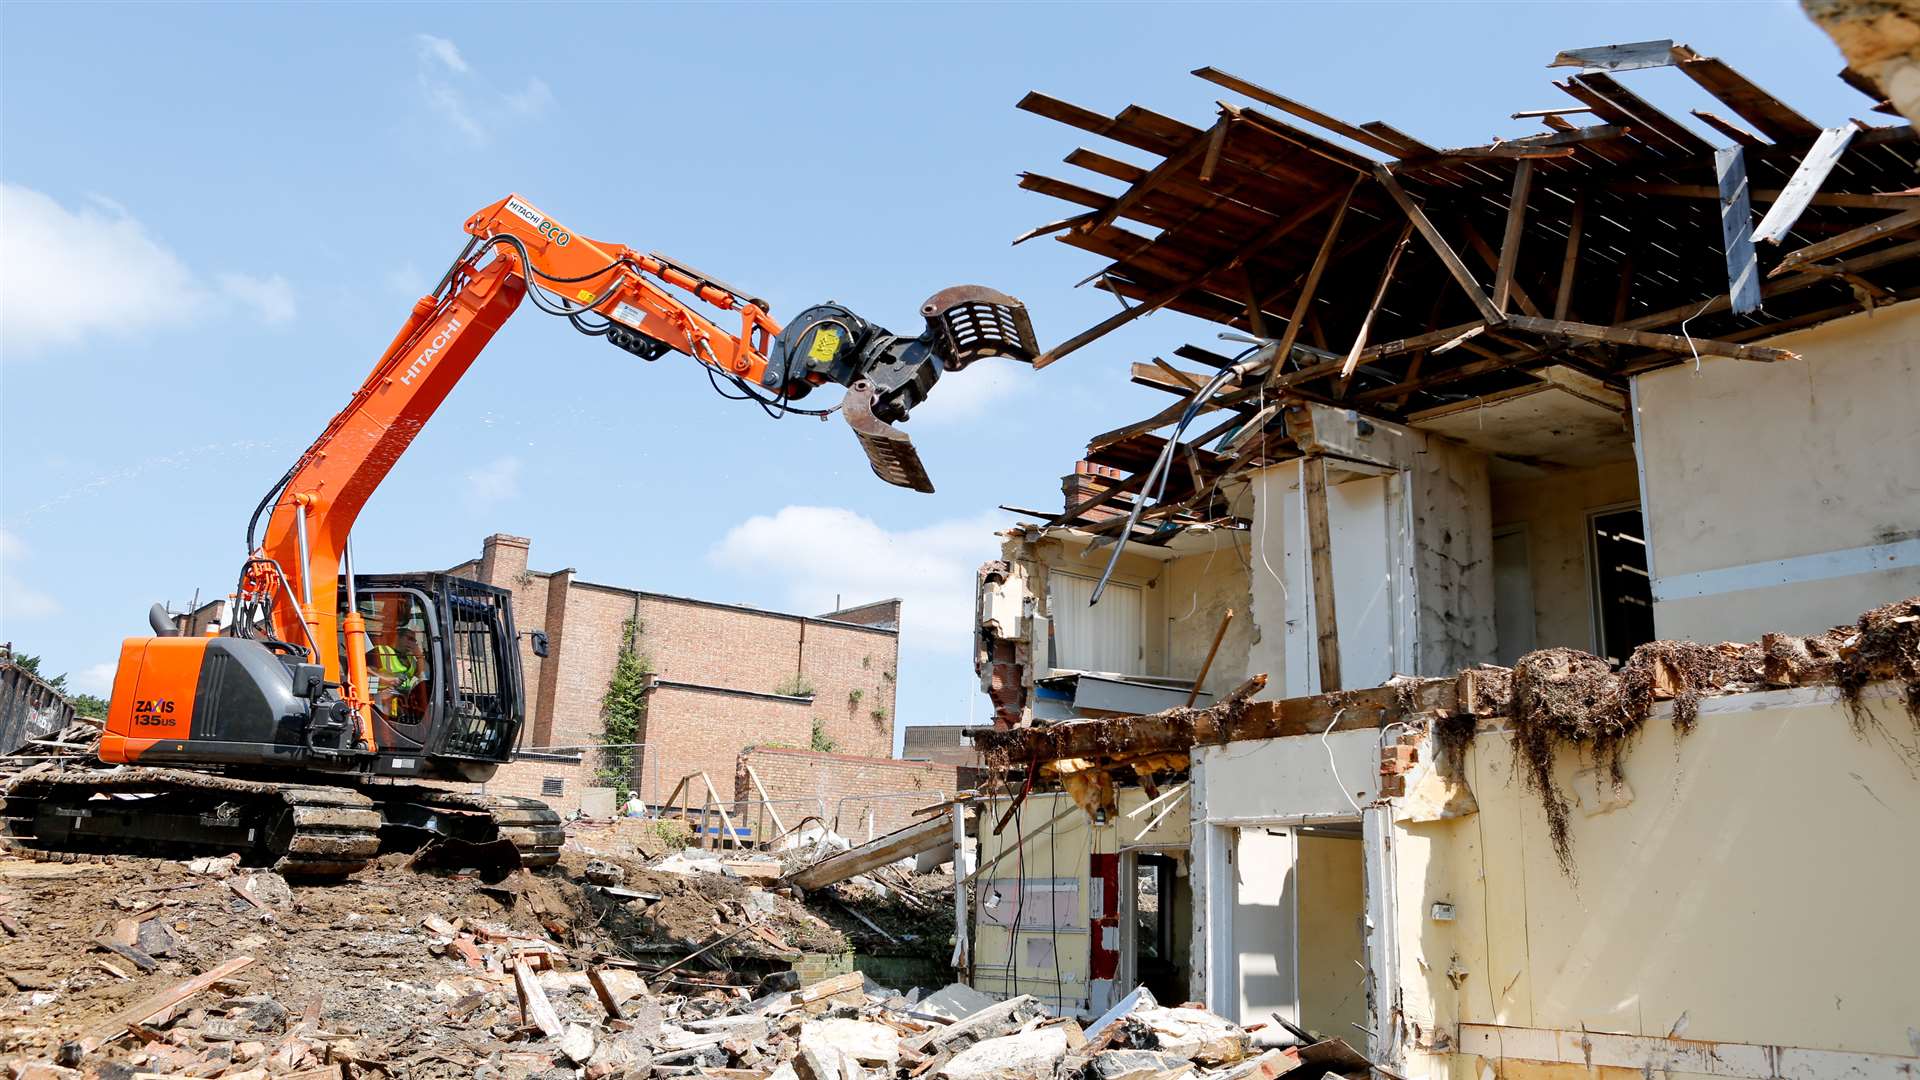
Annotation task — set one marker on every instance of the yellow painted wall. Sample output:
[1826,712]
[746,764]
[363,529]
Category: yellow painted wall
[1333,900]
[1747,463]
[1065,853]
[1760,887]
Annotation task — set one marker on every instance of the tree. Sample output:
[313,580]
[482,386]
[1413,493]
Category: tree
[31,665]
[88,705]
[623,711]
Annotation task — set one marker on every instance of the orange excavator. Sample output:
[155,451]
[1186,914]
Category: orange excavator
[308,735]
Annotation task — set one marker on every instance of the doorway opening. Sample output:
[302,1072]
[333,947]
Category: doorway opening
[1299,926]
[1156,925]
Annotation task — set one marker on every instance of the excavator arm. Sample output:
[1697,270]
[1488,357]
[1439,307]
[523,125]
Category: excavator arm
[515,253]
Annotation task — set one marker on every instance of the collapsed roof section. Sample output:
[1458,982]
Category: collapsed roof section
[1402,280]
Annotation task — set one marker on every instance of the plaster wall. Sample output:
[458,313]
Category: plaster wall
[1745,464]
[1738,892]
[1006,963]
[1200,589]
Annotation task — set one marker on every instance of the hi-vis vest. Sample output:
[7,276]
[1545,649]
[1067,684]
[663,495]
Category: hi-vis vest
[391,662]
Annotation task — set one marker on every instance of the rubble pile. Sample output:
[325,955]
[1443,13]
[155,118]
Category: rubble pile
[119,967]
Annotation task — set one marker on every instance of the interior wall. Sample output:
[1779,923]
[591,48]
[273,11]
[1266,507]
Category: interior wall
[1200,589]
[1749,464]
[1451,514]
[1553,509]
[1751,883]
[1002,961]
[1333,901]
[1362,530]
[1148,574]
[1264,940]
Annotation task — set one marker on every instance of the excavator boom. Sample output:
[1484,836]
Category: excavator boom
[328,676]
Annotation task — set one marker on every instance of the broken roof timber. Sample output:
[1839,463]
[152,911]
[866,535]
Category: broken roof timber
[1602,252]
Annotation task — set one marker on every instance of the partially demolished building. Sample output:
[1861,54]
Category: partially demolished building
[1389,715]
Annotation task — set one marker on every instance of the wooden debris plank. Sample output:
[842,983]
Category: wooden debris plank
[1648,116]
[1304,112]
[1569,262]
[1672,342]
[145,1010]
[923,836]
[834,985]
[1775,119]
[1846,241]
[1852,200]
[1276,128]
[1160,210]
[1868,87]
[1380,294]
[1310,286]
[1728,128]
[1558,144]
[1804,184]
[1512,238]
[1440,246]
[1159,174]
[534,1004]
[1112,322]
[1313,482]
[1780,286]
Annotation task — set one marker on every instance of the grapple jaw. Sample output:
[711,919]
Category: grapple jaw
[973,322]
[889,450]
[965,323]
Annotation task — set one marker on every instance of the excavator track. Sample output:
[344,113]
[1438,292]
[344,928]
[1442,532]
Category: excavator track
[471,820]
[300,830]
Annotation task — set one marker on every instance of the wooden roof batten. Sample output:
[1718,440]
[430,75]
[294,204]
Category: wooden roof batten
[1607,244]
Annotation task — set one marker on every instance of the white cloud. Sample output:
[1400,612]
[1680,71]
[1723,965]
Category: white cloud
[95,679]
[441,51]
[964,395]
[19,600]
[531,101]
[69,275]
[451,104]
[496,481]
[131,283]
[448,85]
[839,552]
[269,298]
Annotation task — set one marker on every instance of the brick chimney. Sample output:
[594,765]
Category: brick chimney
[503,559]
[1088,480]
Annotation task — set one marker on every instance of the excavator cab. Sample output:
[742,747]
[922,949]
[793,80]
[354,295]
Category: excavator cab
[443,673]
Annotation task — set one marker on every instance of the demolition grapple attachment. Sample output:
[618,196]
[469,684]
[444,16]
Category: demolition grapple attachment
[887,375]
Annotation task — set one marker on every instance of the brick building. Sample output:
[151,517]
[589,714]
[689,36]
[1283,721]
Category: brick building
[725,677]
[856,796]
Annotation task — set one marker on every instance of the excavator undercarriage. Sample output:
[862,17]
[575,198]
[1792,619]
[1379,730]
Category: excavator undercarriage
[301,830]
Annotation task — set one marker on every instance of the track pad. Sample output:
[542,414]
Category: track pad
[889,450]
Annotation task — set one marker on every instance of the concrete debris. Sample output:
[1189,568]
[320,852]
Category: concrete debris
[125,966]
[1135,1064]
[1028,1055]
[953,1002]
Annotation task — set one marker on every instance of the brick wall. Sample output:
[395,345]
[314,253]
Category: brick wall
[833,778]
[850,658]
[693,729]
[527,778]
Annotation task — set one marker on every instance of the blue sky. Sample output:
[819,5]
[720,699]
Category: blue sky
[216,216]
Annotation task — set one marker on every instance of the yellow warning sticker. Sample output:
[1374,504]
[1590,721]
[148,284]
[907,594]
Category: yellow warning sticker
[826,345]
